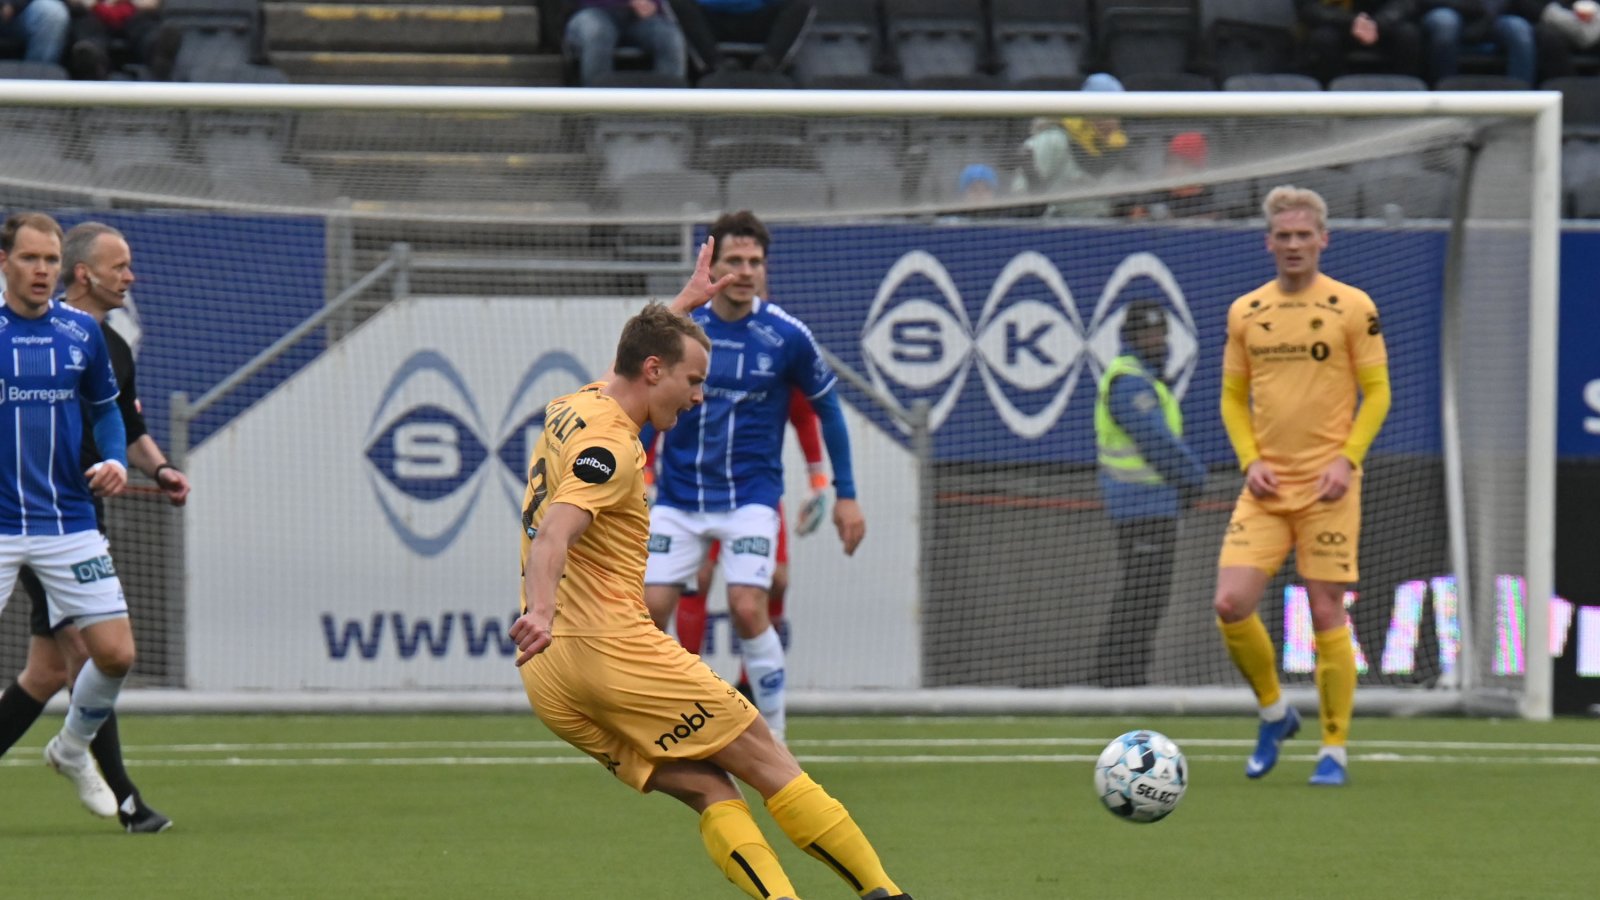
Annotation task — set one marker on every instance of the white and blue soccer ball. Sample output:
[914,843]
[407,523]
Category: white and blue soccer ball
[1141,776]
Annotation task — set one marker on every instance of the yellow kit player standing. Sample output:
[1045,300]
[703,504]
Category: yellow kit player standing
[1299,349]
[597,670]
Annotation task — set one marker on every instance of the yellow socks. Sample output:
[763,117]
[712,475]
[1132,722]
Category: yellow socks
[1336,684]
[822,827]
[1250,647]
[735,844]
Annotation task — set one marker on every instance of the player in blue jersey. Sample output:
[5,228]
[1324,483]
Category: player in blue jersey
[722,464]
[97,269]
[57,363]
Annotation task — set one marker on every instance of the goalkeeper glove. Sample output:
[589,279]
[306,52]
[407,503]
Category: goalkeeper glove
[815,509]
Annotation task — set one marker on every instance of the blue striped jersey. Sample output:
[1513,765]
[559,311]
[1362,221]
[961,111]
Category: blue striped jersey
[728,451]
[49,367]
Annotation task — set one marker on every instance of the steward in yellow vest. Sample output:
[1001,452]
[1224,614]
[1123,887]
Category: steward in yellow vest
[1145,468]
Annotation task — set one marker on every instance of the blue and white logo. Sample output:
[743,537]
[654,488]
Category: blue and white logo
[1029,345]
[428,443]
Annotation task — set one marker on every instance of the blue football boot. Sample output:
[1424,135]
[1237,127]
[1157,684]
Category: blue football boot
[1330,773]
[1272,736]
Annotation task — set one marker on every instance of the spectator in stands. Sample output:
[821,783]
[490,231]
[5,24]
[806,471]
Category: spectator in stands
[41,25]
[1334,29]
[1048,167]
[1187,154]
[1560,27]
[1451,25]
[110,34]
[1098,143]
[978,183]
[598,26]
[774,24]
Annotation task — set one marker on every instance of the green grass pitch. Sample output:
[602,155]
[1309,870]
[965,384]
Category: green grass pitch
[959,808]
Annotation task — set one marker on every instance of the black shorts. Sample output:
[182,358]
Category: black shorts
[39,613]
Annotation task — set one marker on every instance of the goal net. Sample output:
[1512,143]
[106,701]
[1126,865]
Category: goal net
[353,303]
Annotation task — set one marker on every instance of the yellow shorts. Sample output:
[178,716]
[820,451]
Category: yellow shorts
[1323,535]
[634,701]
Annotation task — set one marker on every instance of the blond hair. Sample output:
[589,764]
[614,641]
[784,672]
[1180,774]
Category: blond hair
[656,331]
[1286,197]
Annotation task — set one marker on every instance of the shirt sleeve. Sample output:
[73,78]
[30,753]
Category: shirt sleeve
[1364,335]
[1235,356]
[598,472]
[806,427]
[808,369]
[99,383]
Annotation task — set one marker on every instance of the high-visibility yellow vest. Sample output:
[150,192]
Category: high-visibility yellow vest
[1119,455]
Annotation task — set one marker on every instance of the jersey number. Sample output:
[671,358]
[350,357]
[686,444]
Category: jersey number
[540,491]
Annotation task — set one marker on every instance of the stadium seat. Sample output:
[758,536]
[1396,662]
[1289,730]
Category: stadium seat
[843,146]
[1247,36]
[1040,38]
[52,182]
[1586,200]
[871,81]
[37,71]
[859,189]
[639,78]
[1580,161]
[1418,194]
[1141,36]
[628,147]
[222,137]
[215,33]
[1048,83]
[1168,81]
[669,193]
[937,151]
[741,143]
[123,136]
[777,190]
[1341,189]
[842,40]
[936,38]
[1276,81]
[741,79]
[278,184]
[161,178]
[1373,81]
[1481,83]
[1580,103]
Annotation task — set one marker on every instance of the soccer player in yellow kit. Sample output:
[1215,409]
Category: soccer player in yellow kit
[1299,348]
[597,670]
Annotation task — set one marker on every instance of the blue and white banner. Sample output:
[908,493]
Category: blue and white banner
[1005,331]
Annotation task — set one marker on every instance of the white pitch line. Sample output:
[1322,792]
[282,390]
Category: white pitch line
[915,759]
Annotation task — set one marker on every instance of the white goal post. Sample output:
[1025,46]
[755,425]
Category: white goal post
[479,244]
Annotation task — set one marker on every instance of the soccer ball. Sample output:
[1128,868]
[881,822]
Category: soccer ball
[1141,776]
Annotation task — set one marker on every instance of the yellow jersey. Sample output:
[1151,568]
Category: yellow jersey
[1300,354]
[589,456]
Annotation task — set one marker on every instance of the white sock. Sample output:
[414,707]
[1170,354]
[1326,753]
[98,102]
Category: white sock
[763,662]
[1276,711]
[93,696]
[1336,752]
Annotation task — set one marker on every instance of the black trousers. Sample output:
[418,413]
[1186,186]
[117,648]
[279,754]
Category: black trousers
[1145,548]
[777,26]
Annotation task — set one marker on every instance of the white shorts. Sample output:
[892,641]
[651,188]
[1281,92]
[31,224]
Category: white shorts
[678,542]
[79,579]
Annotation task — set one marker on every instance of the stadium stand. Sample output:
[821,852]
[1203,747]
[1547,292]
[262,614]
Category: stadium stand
[1036,40]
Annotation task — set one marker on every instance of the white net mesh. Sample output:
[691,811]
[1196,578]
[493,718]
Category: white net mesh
[355,496]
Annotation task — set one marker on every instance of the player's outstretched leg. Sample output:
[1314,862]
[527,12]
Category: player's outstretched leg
[823,828]
[18,711]
[690,622]
[1250,647]
[735,843]
[1336,691]
[133,813]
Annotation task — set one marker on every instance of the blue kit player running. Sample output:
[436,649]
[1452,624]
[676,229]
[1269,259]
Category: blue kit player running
[57,361]
[722,464]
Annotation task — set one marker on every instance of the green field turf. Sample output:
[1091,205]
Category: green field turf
[959,808]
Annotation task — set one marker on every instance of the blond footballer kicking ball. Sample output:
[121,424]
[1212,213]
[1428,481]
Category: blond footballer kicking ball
[1141,776]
